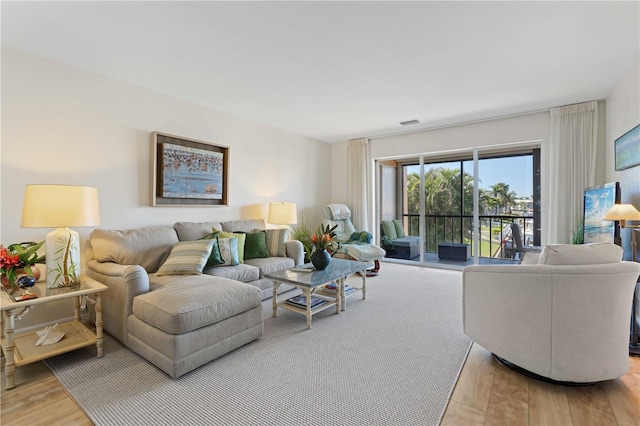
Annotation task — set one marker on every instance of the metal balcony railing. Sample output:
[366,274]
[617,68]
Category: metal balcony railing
[495,231]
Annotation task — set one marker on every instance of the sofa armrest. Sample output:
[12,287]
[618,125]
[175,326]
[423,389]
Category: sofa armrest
[295,251]
[125,282]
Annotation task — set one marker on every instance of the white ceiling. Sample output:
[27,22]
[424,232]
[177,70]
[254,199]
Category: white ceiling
[339,70]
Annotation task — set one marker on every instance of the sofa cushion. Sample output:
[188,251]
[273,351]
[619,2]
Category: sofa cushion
[187,258]
[228,251]
[147,247]
[241,272]
[255,245]
[241,240]
[399,228]
[215,258]
[271,264]
[405,241]
[276,240]
[194,301]
[248,225]
[389,229]
[189,231]
[580,254]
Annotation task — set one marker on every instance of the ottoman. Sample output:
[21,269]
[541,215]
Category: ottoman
[187,323]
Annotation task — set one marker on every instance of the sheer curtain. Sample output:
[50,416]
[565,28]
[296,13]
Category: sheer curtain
[573,144]
[359,183]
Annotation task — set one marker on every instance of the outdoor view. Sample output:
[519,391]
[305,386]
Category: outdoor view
[506,195]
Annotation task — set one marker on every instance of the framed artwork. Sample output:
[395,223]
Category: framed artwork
[627,149]
[189,172]
[597,201]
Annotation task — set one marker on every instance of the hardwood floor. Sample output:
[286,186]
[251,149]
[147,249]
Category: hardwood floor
[487,393]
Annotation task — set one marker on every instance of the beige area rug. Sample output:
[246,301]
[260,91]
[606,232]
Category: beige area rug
[392,359]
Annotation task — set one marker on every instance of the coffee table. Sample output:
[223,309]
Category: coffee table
[20,349]
[313,284]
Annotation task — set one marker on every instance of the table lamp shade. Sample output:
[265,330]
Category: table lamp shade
[622,212]
[61,206]
[282,213]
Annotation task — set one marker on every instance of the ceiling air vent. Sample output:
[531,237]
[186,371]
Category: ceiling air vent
[407,123]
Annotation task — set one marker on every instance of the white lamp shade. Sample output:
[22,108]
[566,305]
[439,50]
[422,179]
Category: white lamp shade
[282,213]
[60,206]
[622,212]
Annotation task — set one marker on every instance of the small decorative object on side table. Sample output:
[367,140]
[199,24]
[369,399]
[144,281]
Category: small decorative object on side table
[20,349]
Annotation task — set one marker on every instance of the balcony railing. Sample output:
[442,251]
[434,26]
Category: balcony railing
[494,230]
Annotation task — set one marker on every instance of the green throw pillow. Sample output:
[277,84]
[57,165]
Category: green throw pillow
[399,228]
[276,240]
[187,258]
[389,229]
[255,245]
[229,251]
[215,258]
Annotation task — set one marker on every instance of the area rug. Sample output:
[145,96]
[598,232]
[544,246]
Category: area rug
[392,359]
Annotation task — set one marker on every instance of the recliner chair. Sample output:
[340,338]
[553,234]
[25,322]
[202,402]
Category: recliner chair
[356,244]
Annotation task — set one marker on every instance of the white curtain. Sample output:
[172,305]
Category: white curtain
[573,143]
[359,183]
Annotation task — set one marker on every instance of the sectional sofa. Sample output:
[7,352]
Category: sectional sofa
[177,318]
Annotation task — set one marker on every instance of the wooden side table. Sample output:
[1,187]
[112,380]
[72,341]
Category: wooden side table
[20,349]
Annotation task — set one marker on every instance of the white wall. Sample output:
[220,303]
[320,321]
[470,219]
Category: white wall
[64,125]
[623,114]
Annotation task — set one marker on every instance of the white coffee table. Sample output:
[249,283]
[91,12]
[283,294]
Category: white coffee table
[20,349]
[313,284]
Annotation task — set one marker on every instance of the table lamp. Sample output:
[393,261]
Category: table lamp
[61,206]
[282,213]
[622,213]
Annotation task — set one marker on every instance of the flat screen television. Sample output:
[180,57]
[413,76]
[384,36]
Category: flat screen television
[597,201]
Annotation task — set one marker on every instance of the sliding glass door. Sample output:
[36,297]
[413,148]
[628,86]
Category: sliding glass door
[434,200]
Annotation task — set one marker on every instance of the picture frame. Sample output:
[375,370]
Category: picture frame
[627,149]
[597,201]
[188,172]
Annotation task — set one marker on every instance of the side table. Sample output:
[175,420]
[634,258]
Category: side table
[20,349]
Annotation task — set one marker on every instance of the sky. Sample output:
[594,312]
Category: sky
[517,172]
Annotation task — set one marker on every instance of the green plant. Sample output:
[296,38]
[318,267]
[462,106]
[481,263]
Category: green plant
[302,232]
[578,233]
[324,237]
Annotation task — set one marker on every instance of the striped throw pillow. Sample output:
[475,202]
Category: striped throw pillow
[276,242]
[187,258]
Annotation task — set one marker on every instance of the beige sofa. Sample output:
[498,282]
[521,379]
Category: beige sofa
[563,314]
[180,322]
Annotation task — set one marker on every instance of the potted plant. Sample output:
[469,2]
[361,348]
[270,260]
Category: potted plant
[18,259]
[323,239]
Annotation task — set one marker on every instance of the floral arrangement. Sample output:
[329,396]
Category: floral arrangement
[17,258]
[324,237]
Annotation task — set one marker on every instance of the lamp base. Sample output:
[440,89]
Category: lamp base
[63,258]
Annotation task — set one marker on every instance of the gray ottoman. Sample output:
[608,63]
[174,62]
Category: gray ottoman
[183,325]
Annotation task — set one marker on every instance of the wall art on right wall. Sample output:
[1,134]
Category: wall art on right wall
[627,149]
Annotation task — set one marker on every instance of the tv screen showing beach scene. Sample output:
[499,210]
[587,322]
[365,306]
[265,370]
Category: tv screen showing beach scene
[597,201]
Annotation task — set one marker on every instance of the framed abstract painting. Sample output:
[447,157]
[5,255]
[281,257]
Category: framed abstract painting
[189,172]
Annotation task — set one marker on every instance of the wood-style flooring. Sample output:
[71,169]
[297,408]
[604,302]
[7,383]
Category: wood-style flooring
[487,393]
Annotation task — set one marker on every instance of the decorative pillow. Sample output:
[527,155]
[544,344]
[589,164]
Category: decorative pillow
[389,229]
[399,228]
[580,254]
[229,251]
[215,258]
[241,240]
[255,245]
[187,258]
[276,240]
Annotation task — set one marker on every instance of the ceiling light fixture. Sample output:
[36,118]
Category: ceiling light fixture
[408,123]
